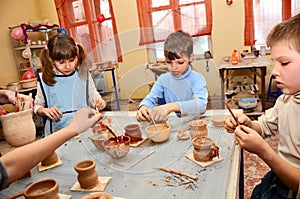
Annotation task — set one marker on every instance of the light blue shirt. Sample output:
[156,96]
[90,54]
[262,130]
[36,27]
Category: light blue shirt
[68,94]
[188,91]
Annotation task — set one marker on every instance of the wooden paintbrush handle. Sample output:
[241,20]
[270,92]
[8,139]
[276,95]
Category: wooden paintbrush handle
[194,177]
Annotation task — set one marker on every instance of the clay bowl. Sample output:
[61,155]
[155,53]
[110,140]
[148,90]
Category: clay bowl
[218,120]
[98,139]
[28,83]
[47,188]
[162,135]
[117,149]
[96,195]
[99,129]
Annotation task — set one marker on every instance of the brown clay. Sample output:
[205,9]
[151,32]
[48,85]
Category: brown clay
[43,189]
[134,132]
[87,175]
[204,149]
[51,159]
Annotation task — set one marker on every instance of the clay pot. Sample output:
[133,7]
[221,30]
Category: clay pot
[117,149]
[218,120]
[204,149]
[28,83]
[87,175]
[51,159]
[198,128]
[18,128]
[98,139]
[134,132]
[43,189]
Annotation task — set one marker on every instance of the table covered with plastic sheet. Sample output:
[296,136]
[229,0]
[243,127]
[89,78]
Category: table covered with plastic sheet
[137,176]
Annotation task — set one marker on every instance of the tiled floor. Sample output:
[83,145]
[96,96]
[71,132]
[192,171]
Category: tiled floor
[254,167]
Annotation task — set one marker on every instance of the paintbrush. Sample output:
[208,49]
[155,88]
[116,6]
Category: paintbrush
[178,173]
[227,106]
[110,130]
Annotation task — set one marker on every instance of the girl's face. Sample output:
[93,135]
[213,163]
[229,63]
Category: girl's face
[66,67]
[178,67]
[286,68]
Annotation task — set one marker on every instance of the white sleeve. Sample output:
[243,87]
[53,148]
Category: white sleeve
[93,93]
[39,100]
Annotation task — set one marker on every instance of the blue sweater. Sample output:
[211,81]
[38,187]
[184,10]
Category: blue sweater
[188,91]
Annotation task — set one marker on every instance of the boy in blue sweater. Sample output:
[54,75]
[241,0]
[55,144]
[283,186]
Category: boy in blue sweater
[183,89]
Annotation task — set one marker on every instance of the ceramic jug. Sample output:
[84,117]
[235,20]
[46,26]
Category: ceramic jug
[87,175]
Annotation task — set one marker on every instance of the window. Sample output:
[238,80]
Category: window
[261,16]
[158,18]
[100,40]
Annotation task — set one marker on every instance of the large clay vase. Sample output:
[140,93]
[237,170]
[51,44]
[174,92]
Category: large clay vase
[18,128]
[198,128]
[51,159]
[204,149]
[43,189]
[134,132]
[87,175]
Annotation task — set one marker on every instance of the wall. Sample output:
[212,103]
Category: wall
[227,34]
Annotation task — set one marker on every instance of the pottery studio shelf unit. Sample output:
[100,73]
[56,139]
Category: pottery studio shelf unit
[26,54]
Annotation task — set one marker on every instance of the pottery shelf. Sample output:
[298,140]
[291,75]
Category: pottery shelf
[33,48]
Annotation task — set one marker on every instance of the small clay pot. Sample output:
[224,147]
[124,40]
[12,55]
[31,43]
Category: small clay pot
[51,159]
[134,132]
[204,149]
[43,189]
[87,175]
[198,128]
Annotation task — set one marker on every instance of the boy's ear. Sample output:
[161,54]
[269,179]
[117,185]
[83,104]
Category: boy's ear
[191,58]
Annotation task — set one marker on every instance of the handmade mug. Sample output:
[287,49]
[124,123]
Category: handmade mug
[204,149]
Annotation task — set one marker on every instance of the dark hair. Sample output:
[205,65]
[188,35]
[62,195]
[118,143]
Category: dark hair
[62,47]
[177,44]
[288,32]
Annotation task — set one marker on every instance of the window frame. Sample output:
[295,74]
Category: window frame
[147,28]
[91,10]
[250,25]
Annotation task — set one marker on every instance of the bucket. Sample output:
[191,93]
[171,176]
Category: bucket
[18,128]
